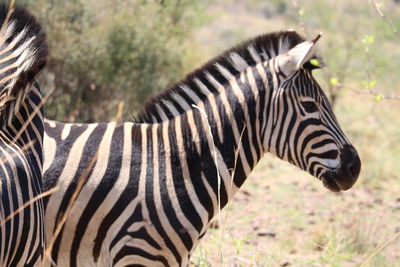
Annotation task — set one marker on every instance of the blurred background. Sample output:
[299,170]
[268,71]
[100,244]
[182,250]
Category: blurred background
[107,56]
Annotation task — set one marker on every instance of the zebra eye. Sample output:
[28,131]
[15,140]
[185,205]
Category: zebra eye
[309,106]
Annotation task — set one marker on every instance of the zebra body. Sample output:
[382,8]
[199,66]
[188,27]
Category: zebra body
[156,183]
[22,55]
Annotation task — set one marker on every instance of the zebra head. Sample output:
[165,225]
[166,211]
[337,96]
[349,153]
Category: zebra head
[305,131]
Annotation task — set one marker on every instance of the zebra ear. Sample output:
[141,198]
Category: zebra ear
[295,58]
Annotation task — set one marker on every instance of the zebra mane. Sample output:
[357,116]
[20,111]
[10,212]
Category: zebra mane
[235,60]
[23,53]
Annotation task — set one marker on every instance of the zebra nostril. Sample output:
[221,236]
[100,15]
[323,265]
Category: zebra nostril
[352,170]
[356,166]
[351,161]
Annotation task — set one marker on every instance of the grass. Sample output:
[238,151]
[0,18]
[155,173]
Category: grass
[293,219]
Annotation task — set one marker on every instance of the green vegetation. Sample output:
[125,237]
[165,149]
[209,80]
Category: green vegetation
[104,52]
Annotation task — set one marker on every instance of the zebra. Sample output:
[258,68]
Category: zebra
[23,54]
[157,182]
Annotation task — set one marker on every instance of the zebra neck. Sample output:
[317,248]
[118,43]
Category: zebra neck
[213,146]
[234,120]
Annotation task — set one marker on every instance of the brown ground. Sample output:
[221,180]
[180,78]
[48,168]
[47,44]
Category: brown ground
[283,216]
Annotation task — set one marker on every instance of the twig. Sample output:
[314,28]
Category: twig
[377,8]
[369,92]
[299,10]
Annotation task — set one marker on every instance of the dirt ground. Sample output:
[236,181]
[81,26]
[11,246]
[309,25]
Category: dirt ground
[284,217]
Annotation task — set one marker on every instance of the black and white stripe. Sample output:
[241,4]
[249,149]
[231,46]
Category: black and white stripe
[22,55]
[158,182]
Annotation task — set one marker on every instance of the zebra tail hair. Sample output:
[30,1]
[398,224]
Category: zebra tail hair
[23,54]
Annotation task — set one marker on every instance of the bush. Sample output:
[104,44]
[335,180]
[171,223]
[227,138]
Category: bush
[104,52]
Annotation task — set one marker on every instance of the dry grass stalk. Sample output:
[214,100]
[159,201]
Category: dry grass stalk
[120,111]
[79,186]
[223,225]
[24,148]
[204,114]
[32,115]
[364,263]
[9,12]
[28,203]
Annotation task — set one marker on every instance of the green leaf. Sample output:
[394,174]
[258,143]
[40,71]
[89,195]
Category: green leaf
[333,81]
[377,98]
[379,5]
[302,11]
[369,84]
[368,39]
[315,62]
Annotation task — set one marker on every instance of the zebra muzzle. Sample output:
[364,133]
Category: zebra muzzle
[344,177]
